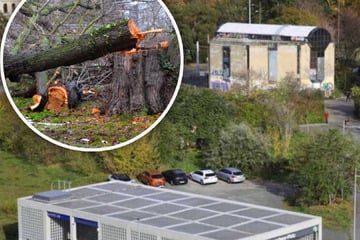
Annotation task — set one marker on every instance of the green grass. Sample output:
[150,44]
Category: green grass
[336,216]
[19,178]
[102,131]
[190,164]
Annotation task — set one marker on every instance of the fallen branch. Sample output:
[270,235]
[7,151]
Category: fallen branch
[119,36]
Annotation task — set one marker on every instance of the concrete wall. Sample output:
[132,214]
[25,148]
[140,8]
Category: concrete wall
[238,63]
[330,65]
[7,6]
[259,65]
[305,66]
[287,63]
[216,67]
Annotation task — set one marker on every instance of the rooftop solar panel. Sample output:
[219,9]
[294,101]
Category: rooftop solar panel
[186,213]
[225,220]
[133,215]
[194,228]
[255,213]
[168,196]
[163,221]
[195,201]
[257,227]
[76,204]
[104,210]
[226,235]
[287,219]
[193,214]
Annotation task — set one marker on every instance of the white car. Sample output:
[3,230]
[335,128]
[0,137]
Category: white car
[231,175]
[205,176]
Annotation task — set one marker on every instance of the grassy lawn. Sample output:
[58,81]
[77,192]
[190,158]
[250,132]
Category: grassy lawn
[19,179]
[337,216]
[190,164]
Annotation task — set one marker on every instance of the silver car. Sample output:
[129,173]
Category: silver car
[231,175]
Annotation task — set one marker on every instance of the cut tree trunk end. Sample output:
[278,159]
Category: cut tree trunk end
[137,82]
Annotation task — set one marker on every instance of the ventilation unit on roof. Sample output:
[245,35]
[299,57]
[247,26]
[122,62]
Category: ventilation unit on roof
[50,196]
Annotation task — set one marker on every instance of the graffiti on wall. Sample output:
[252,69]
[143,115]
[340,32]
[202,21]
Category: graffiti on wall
[220,74]
[220,85]
[328,88]
[217,73]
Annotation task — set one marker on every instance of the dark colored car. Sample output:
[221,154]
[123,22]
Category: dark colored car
[152,177]
[119,177]
[175,176]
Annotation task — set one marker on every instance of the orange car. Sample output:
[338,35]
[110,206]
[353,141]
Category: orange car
[152,177]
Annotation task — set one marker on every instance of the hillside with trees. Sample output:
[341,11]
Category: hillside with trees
[199,19]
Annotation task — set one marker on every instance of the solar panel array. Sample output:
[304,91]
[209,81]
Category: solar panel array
[177,211]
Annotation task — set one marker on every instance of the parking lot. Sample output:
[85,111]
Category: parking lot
[265,194]
[249,192]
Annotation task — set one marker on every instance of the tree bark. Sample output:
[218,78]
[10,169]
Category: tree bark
[154,79]
[114,37]
[137,83]
[126,74]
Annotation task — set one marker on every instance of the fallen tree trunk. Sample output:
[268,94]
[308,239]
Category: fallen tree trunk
[118,36]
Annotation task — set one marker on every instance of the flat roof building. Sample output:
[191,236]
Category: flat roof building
[130,211]
[260,55]
[7,7]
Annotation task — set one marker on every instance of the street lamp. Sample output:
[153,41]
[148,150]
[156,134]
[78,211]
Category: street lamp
[355,191]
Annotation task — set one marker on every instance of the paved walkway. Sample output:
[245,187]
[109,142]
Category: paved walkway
[339,110]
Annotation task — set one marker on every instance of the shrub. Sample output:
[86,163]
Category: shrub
[356,98]
[8,207]
[238,146]
[322,166]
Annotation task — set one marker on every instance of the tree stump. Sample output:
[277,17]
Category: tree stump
[137,82]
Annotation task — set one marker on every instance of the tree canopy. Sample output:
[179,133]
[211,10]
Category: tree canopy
[199,19]
[322,166]
[238,146]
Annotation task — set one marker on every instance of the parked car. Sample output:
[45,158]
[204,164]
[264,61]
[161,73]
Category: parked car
[152,177]
[119,177]
[231,175]
[175,176]
[205,176]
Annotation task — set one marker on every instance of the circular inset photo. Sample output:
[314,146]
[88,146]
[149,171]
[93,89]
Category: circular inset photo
[91,75]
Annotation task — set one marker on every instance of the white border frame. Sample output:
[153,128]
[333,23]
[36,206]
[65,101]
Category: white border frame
[100,149]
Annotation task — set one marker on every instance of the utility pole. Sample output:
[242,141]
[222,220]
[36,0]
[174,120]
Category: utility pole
[355,193]
[338,24]
[197,58]
[260,11]
[249,11]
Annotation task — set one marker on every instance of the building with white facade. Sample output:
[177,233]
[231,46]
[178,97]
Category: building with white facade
[7,7]
[260,55]
[128,211]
